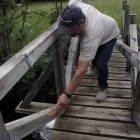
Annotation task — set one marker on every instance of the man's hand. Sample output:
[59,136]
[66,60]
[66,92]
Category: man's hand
[63,102]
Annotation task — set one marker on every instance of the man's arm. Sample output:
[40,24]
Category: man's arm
[63,100]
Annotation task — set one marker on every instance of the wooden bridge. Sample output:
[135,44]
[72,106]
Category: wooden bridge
[117,118]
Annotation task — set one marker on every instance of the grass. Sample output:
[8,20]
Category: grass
[112,8]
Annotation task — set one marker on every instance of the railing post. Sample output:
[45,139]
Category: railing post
[136,103]
[71,60]
[58,63]
[134,46]
[126,38]
[123,16]
[4,135]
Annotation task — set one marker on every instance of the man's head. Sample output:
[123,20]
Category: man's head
[72,21]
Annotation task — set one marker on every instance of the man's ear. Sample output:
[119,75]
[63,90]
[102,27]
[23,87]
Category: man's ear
[82,24]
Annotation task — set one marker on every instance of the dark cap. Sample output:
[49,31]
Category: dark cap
[70,17]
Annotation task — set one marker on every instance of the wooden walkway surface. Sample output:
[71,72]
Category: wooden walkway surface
[87,119]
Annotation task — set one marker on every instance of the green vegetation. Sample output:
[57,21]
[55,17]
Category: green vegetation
[113,8]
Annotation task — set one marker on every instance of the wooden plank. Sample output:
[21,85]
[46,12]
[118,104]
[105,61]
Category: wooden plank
[71,60]
[126,38]
[117,59]
[133,33]
[3,132]
[130,54]
[123,16]
[96,127]
[41,80]
[136,103]
[112,84]
[117,70]
[34,107]
[19,64]
[117,55]
[112,92]
[136,118]
[126,23]
[109,102]
[99,113]
[138,34]
[58,64]
[24,126]
[58,135]
[112,76]
[116,64]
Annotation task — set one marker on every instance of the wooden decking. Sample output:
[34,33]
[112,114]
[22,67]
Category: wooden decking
[87,119]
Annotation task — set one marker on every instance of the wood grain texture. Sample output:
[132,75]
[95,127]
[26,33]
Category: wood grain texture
[41,80]
[112,84]
[117,59]
[19,64]
[58,135]
[109,102]
[71,60]
[113,76]
[125,130]
[99,113]
[24,126]
[118,55]
[130,54]
[136,118]
[112,92]
[34,107]
[58,64]
[116,64]
[3,132]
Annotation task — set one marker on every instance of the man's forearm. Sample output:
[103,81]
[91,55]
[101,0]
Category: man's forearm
[77,78]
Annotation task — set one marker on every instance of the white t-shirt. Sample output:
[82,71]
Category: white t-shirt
[98,30]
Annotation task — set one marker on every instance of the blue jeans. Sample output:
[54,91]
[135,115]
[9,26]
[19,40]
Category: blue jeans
[100,62]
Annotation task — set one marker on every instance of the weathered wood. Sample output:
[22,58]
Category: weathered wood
[58,135]
[112,76]
[77,54]
[58,66]
[24,126]
[38,85]
[34,107]
[126,38]
[84,112]
[15,67]
[134,46]
[112,92]
[126,23]
[3,132]
[99,113]
[136,103]
[116,70]
[97,127]
[118,55]
[41,80]
[136,118]
[71,60]
[130,54]
[116,64]
[133,82]
[108,103]
[112,84]
[133,33]
[123,16]
[117,59]
[138,34]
